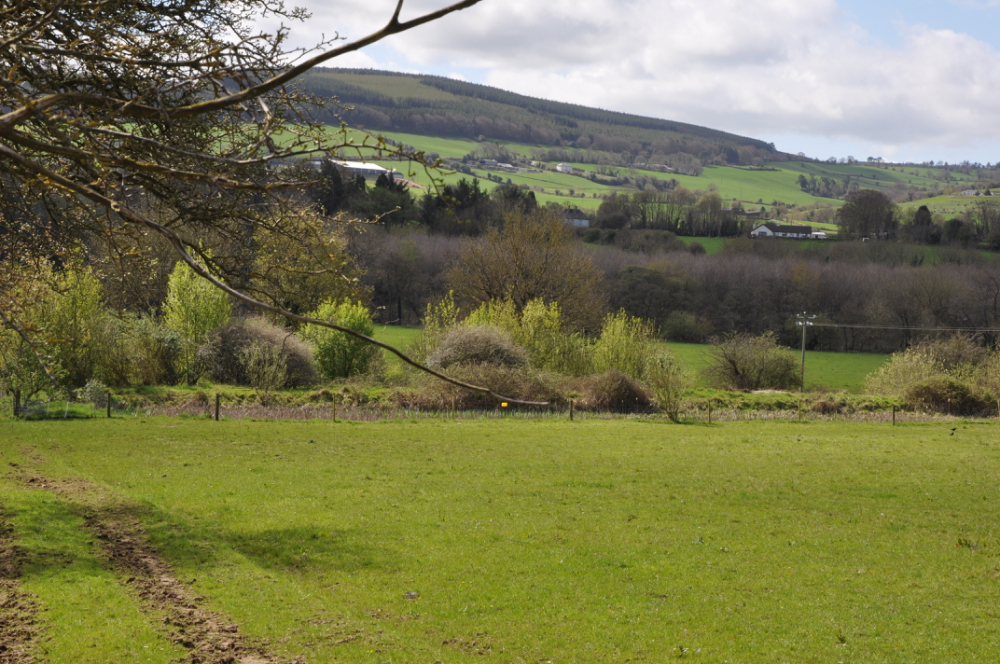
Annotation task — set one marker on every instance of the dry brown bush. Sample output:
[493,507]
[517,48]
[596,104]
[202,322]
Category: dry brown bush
[617,392]
[223,354]
[942,394]
[477,345]
[516,383]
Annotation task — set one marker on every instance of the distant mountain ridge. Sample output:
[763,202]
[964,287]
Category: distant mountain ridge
[438,106]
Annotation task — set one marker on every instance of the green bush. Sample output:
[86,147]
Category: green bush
[194,308]
[684,327]
[667,380]
[137,350]
[625,344]
[477,345]
[748,362]
[539,329]
[958,356]
[338,354]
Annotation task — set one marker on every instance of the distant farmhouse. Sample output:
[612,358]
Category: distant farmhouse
[575,217]
[564,168]
[781,230]
[367,170]
[361,168]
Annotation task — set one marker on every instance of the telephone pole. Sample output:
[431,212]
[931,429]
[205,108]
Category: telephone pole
[803,320]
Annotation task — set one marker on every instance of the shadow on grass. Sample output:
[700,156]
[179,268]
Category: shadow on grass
[50,538]
[292,549]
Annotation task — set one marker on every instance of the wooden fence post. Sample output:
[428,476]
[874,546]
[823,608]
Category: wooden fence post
[218,400]
[709,412]
[335,408]
[893,416]
[570,410]
[109,404]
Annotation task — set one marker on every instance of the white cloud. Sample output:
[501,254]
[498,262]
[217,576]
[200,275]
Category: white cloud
[766,67]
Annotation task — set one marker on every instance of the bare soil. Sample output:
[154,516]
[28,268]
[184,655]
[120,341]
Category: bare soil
[206,635]
[18,610]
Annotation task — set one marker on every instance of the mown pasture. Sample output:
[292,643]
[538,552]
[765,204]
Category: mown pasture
[518,541]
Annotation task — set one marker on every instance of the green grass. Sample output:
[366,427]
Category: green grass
[825,371]
[534,541]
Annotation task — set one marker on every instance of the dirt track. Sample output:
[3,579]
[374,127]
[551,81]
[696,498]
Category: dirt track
[207,636]
[18,610]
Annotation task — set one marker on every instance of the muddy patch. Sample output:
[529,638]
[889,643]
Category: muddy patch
[207,636]
[18,609]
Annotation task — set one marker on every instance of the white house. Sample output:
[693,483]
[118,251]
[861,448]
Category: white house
[367,170]
[818,235]
[780,230]
[564,168]
[576,218]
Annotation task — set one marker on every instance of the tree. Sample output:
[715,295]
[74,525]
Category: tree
[194,308]
[868,214]
[123,118]
[531,257]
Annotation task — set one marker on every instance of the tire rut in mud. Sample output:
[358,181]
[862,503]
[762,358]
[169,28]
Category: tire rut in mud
[18,610]
[207,636]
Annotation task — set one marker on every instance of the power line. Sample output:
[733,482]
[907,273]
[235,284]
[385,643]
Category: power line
[911,329]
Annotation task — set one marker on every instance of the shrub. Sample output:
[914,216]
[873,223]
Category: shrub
[748,362]
[95,393]
[341,355]
[958,356]
[477,345]
[138,350]
[539,329]
[194,308]
[684,327]
[624,345]
[265,368]
[515,383]
[667,380]
[615,391]
[225,354]
[947,395]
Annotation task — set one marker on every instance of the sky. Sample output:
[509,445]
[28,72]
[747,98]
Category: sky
[914,80]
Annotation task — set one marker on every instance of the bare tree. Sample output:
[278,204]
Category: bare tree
[532,256]
[125,118]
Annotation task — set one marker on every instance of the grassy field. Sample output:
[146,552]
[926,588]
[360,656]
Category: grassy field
[523,541]
[824,370]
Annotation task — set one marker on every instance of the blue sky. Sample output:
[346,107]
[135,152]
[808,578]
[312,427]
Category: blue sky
[907,81]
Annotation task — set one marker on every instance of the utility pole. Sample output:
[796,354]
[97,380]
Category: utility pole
[803,320]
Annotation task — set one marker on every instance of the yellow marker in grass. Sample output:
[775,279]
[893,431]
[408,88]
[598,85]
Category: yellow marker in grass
[504,404]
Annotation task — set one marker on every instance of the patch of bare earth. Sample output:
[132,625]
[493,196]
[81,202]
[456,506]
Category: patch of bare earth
[206,635]
[18,610]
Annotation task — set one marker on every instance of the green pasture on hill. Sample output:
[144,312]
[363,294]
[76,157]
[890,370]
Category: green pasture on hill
[520,541]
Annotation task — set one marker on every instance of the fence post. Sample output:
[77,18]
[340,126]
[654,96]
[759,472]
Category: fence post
[570,410]
[893,416]
[709,412]
[218,399]
[109,404]
[17,401]
[335,408]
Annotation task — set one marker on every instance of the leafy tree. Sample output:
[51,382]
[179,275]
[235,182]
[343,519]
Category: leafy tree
[194,308]
[868,214]
[340,355]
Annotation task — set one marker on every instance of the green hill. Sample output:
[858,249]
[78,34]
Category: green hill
[436,106]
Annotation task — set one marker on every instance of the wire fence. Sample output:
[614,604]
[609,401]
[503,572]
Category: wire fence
[350,412]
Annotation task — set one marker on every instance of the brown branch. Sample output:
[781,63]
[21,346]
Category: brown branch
[181,248]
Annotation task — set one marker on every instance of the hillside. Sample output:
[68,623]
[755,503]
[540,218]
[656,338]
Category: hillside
[436,106]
